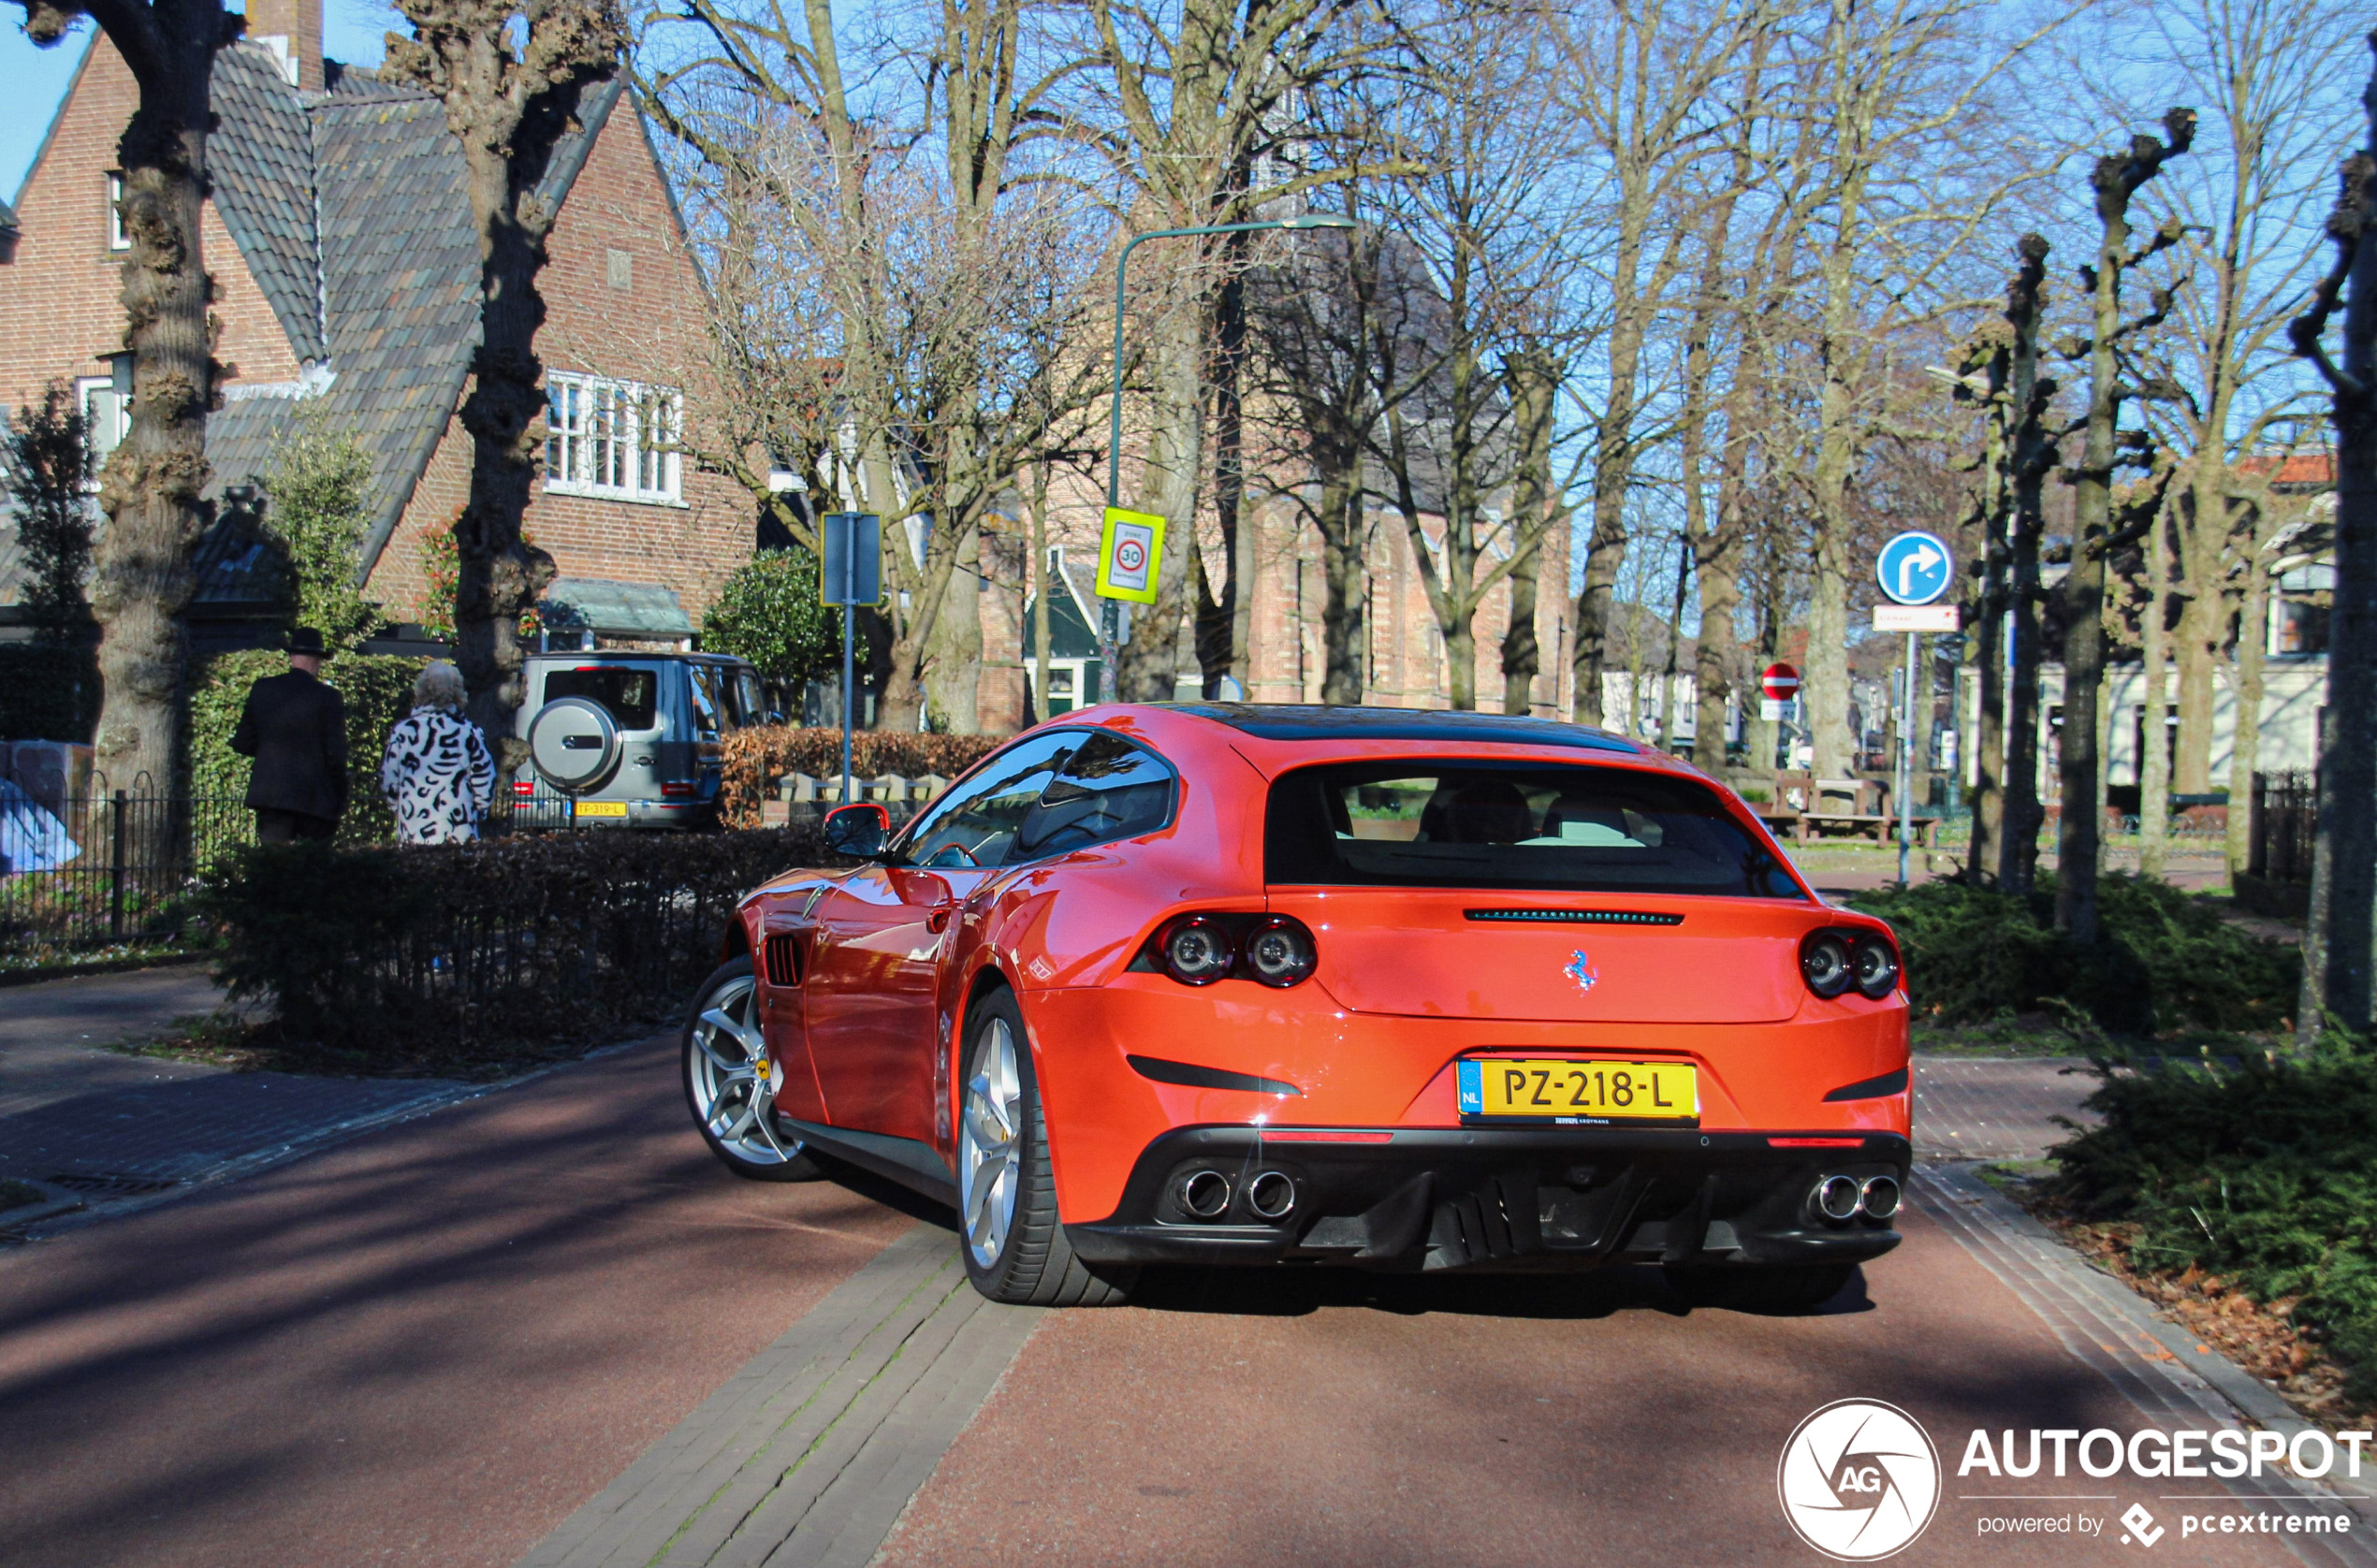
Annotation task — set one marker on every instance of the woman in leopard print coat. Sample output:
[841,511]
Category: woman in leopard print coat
[437,772]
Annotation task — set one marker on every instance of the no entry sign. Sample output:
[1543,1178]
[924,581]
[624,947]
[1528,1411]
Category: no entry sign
[1779,681]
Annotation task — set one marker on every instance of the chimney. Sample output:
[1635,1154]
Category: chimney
[292,29]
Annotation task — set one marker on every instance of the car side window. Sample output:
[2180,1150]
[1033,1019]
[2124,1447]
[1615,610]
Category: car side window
[1107,789]
[976,822]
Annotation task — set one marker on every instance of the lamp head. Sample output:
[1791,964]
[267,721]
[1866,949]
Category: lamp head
[1320,220]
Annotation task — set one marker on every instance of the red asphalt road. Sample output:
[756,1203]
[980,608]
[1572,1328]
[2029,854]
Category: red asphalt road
[426,1348]
[429,1347]
[1334,1419]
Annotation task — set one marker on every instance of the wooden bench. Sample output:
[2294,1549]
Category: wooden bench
[1813,808]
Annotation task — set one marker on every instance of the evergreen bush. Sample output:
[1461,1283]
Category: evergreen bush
[2167,959]
[2264,1173]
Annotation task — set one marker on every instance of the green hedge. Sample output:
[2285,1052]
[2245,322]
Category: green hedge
[49,693]
[2167,961]
[2264,1174]
[489,950]
[378,688]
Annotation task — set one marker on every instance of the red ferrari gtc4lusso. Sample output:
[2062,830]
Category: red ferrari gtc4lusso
[1211,984]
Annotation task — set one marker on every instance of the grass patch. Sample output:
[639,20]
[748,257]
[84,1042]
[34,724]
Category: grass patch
[2252,1187]
[2167,961]
[20,1195]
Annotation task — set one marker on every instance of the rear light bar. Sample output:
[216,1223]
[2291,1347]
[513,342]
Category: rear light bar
[1815,1144]
[1324,1137]
[677,789]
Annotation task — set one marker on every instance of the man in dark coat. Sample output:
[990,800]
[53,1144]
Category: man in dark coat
[295,727]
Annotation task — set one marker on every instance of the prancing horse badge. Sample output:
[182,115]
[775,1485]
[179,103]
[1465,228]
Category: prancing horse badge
[1580,970]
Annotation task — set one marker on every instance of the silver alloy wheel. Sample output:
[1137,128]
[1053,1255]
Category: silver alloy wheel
[734,1093]
[989,1146]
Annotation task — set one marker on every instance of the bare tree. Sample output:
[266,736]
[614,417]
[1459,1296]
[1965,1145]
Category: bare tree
[2097,529]
[512,74]
[143,573]
[1188,106]
[1643,88]
[2340,930]
[900,289]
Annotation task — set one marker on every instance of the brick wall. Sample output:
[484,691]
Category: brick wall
[638,320]
[61,307]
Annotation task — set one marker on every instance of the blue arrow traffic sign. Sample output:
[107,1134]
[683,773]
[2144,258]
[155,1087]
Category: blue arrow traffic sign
[1913,568]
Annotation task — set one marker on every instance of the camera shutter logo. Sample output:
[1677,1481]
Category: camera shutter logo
[1858,1480]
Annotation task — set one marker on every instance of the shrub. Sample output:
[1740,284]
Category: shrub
[2165,959]
[2264,1174]
[767,612]
[318,490]
[415,956]
[45,457]
[756,758]
[378,688]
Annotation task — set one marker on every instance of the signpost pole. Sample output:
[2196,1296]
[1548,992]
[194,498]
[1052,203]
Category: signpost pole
[848,670]
[1906,763]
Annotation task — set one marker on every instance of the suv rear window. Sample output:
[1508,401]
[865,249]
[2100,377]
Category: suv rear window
[1522,827]
[632,695]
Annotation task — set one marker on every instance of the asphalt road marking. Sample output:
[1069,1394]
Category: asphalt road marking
[807,1456]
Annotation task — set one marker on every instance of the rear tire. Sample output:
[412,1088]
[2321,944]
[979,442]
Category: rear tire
[1008,1232]
[1774,1287]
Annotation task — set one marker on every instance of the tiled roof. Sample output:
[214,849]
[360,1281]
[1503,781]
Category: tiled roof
[261,158]
[350,208]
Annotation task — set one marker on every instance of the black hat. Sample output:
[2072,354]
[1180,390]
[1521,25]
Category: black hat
[304,639]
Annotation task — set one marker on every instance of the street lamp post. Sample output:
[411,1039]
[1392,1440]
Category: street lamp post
[1109,620]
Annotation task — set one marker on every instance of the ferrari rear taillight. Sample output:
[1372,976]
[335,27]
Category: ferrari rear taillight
[1834,962]
[1199,949]
[1280,952]
[1196,949]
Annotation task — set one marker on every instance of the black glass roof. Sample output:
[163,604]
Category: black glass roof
[1297,722]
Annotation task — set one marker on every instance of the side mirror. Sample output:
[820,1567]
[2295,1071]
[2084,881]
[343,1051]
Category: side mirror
[858,831]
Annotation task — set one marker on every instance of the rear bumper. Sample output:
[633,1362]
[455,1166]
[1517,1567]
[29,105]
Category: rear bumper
[1408,1200]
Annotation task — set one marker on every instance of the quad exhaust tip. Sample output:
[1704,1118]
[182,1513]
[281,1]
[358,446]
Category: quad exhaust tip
[1272,1194]
[1839,1197]
[1881,1197]
[1204,1194]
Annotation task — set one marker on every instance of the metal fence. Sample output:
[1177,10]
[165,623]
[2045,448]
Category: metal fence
[2285,827]
[118,868]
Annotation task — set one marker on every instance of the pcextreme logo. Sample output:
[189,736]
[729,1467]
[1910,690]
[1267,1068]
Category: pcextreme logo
[1858,1480]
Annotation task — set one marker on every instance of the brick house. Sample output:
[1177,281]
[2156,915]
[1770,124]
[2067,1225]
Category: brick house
[339,238]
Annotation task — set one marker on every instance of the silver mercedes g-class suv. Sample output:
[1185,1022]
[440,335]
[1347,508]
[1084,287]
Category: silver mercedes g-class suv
[630,740]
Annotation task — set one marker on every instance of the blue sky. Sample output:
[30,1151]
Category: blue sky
[37,78]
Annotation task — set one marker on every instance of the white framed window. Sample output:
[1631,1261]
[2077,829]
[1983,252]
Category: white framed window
[117,238]
[110,412]
[616,440]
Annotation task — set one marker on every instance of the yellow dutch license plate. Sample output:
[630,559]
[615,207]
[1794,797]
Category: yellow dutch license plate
[601,808]
[1582,1093]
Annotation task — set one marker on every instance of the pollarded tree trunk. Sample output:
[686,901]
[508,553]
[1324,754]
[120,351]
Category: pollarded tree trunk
[2032,451]
[1534,380]
[2154,756]
[509,107]
[2115,180]
[1345,586]
[142,574]
[1168,488]
[2337,937]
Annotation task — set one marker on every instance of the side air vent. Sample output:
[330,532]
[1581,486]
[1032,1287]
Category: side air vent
[1575,916]
[783,953]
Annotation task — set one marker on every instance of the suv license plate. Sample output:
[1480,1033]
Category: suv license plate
[1565,1092]
[601,808]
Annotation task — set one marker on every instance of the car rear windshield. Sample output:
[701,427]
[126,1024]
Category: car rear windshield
[1532,827]
[631,694]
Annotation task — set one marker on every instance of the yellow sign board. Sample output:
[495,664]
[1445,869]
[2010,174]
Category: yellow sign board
[1131,549]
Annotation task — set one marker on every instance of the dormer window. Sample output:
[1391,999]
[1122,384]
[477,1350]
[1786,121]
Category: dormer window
[117,238]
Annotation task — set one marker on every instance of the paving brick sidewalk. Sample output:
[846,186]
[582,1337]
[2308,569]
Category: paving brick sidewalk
[119,1126]
[1996,1109]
